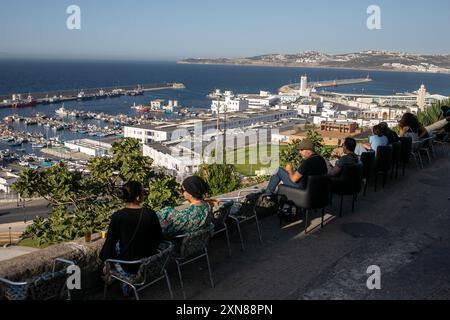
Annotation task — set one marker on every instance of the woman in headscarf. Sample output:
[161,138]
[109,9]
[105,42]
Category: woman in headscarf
[177,222]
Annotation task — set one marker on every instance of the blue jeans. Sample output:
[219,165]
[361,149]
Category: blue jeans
[280,176]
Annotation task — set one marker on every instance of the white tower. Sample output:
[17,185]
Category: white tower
[421,98]
[303,85]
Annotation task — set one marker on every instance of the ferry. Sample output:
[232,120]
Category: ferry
[140,108]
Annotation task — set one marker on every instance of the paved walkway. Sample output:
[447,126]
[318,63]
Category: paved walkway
[404,229]
[12,252]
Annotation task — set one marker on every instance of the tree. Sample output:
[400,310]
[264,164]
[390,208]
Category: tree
[432,114]
[221,178]
[84,203]
[291,153]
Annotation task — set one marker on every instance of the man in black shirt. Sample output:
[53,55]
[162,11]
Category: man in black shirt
[312,165]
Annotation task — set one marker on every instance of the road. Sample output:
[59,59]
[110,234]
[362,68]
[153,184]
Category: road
[9,212]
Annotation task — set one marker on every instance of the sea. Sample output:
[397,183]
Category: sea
[42,76]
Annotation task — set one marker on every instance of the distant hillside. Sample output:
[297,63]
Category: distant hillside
[379,60]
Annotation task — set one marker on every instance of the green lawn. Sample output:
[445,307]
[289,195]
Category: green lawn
[242,159]
[31,243]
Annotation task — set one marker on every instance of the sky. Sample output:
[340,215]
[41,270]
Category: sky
[169,30]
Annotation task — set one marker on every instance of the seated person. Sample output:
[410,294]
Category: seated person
[191,219]
[441,128]
[411,127]
[349,157]
[390,134]
[134,232]
[312,165]
[378,139]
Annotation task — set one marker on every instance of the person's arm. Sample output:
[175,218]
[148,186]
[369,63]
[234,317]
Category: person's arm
[294,176]
[404,131]
[112,237]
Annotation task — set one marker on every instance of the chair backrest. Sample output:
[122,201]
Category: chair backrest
[195,242]
[383,160]
[350,180]
[405,154]
[152,267]
[396,152]
[318,192]
[427,142]
[368,160]
[220,214]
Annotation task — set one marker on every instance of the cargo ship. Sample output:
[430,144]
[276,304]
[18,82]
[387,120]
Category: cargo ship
[18,103]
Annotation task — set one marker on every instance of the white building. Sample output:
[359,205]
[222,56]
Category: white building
[150,132]
[176,129]
[306,109]
[262,100]
[177,161]
[228,103]
[7,179]
[90,147]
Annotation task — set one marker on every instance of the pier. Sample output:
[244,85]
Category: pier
[36,98]
[325,84]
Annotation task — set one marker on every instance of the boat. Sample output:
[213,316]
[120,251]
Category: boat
[16,144]
[23,163]
[62,112]
[140,108]
[30,102]
[38,146]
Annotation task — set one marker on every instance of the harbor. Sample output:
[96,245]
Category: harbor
[22,100]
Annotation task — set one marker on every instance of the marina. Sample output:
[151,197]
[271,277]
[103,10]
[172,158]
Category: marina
[38,98]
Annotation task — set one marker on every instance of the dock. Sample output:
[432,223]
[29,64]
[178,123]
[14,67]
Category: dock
[325,84]
[60,96]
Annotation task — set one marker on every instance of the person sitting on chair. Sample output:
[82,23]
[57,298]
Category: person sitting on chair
[389,133]
[312,164]
[193,218]
[376,140]
[349,157]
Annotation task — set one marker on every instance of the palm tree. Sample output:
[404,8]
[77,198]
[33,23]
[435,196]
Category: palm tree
[432,114]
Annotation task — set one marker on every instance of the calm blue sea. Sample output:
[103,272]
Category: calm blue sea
[41,76]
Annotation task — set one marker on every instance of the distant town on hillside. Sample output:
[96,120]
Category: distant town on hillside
[379,60]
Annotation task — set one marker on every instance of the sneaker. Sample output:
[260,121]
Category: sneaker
[126,290]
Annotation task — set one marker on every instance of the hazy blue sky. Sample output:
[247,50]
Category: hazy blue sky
[173,29]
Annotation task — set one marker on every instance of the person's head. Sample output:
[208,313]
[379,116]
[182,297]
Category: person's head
[378,131]
[349,145]
[411,121]
[133,192]
[194,188]
[384,127]
[306,148]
